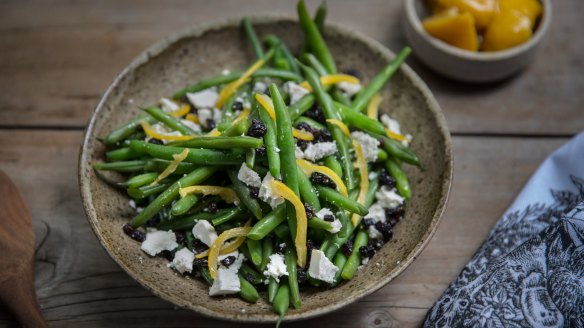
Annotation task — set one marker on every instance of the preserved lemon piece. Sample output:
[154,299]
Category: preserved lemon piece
[455,29]
[530,8]
[483,11]
[508,29]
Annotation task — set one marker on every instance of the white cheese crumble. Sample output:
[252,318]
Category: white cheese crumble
[372,175]
[203,99]
[205,232]
[368,144]
[376,213]
[259,87]
[296,92]
[388,198]
[298,153]
[276,267]
[158,241]
[391,124]
[225,72]
[374,233]
[249,176]
[183,261]
[191,125]
[168,105]
[336,226]
[324,212]
[223,256]
[349,88]
[321,267]
[132,203]
[266,193]
[163,130]
[317,151]
[227,281]
[364,261]
[206,114]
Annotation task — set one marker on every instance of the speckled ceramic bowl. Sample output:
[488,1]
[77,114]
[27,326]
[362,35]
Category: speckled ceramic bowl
[202,52]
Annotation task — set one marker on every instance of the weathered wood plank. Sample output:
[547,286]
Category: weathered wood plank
[78,284]
[57,57]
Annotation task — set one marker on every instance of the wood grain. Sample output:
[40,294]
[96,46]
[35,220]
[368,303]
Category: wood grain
[57,57]
[79,285]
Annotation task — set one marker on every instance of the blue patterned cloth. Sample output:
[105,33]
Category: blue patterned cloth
[530,270]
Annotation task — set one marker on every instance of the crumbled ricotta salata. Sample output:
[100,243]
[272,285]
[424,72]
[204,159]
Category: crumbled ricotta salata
[391,124]
[266,193]
[249,176]
[324,212]
[296,92]
[168,105]
[227,281]
[369,145]
[317,151]
[157,241]
[321,267]
[163,130]
[183,261]
[350,89]
[373,175]
[205,232]
[336,226]
[374,233]
[206,114]
[388,198]
[259,87]
[298,153]
[276,267]
[376,213]
[364,261]
[191,125]
[204,98]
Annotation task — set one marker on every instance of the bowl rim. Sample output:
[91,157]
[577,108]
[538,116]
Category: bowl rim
[488,56]
[196,31]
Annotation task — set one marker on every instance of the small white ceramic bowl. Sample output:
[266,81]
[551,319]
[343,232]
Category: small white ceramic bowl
[465,65]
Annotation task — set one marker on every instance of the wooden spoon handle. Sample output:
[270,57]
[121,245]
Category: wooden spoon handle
[19,296]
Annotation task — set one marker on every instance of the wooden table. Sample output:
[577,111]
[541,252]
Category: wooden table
[57,57]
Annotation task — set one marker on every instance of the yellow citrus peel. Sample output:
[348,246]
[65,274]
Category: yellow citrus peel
[228,247]
[281,190]
[373,106]
[302,135]
[364,176]
[182,111]
[216,247]
[327,80]
[227,194]
[242,116]
[231,87]
[340,125]
[309,168]
[172,166]
[193,118]
[153,134]
[395,136]
[214,133]
[267,104]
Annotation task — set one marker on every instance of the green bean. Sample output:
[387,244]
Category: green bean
[330,112]
[287,147]
[159,165]
[243,193]
[273,286]
[340,97]
[202,203]
[195,156]
[206,275]
[353,262]
[270,140]
[397,150]
[320,224]
[195,177]
[228,114]
[121,154]
[381,155]
[301,106]
[123,166]
[313,124]
[238,129]
[224,79]
[247,291]
[339,261]
[250,155]
[333,242]
[170,121]
[267,250]
[320,16]
[280,61]
[290,258]
[345,219]
[313,62]
[249,272]
[220,142]
[333,197]
[268,223]
[401,179]
[255,251]
[233,214]
[307,191]
[282,231]
[140,180]
[145,191]
[274,41]
[184,204]
[379,81]
[253,38]
[314,39]
[282,301]
[188,222]
[126,130]
[332,163]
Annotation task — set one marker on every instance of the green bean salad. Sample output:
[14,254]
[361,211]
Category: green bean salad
[275,178]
